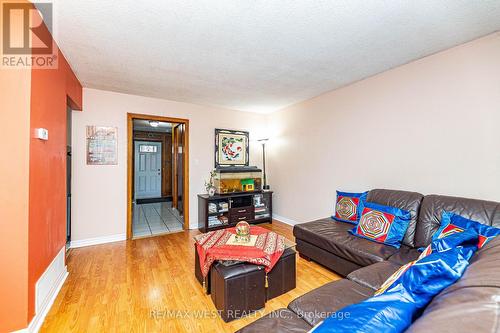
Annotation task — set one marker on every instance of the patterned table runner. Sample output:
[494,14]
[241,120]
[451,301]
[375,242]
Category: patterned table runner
[220,245]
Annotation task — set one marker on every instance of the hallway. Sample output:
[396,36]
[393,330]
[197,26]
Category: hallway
[155,218]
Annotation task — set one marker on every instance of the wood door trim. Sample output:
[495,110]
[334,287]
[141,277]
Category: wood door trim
[130,151]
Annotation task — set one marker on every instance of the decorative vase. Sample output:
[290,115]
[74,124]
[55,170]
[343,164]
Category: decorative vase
[211,191]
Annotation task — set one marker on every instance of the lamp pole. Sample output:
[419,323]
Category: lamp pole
[263,142]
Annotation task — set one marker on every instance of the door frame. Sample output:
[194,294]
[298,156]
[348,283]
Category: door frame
[130,166]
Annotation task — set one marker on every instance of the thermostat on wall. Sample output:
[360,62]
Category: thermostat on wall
[42,133]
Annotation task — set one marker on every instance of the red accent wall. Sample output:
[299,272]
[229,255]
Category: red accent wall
[14,192]
[51,91]
[32,179]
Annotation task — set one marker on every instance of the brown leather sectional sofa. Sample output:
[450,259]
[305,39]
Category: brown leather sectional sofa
[470,305]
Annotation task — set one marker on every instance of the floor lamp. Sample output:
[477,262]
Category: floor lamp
[263,142]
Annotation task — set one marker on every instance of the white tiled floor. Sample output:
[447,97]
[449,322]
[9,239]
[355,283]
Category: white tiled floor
[155,218]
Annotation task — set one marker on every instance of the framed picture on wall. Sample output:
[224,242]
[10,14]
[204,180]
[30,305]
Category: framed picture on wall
[231,148]
[101,145]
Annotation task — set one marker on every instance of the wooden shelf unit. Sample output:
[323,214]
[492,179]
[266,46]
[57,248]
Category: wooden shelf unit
[253,207]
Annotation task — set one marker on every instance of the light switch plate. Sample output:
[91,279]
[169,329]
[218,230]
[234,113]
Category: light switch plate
[42,133]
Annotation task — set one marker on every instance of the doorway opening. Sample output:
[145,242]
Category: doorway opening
[158,192]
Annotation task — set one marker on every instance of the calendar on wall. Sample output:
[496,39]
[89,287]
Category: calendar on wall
[102,145]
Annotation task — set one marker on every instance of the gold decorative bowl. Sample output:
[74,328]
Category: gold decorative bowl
[243,232]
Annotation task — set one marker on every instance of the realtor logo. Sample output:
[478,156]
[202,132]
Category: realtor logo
[27,35]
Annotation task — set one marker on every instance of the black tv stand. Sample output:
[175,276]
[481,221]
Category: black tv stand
[226,210]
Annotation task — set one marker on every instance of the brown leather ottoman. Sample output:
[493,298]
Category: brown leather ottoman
[197,272]
[282,278]
[238,289]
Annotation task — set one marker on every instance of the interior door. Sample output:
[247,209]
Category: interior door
[180,168]
[147,169]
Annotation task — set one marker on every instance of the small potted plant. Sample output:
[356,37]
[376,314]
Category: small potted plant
[209,185]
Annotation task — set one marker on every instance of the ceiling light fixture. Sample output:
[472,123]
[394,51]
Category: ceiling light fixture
[153,123]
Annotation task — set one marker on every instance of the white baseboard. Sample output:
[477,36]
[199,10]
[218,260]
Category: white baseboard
[285,220]
[97,240]
[46,290]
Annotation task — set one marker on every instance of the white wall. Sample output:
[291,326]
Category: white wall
[430,126]
[99,192]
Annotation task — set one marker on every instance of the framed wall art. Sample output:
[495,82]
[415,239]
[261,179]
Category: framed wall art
[231,148]
[101,145]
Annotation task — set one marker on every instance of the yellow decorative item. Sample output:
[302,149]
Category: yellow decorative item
[247,184]
[247,187]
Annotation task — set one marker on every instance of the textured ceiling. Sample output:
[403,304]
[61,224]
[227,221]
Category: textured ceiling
[256,55]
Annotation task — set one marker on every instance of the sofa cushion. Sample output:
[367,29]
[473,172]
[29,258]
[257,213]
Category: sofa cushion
[429,218]
[478,291]
[373,276]
[455,250]
[333,236]
[396,308]
[472,309]
[409,201]
[279,321]
[331,261]
[451,223]
[404,255]
[382,224]
[484,269]
[321,302]
[348,206]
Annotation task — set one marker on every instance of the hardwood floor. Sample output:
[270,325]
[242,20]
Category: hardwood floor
[116,287]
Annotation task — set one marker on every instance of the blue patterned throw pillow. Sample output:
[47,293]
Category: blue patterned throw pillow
[382,224]
[453,223]
[349,206]
[395,309]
